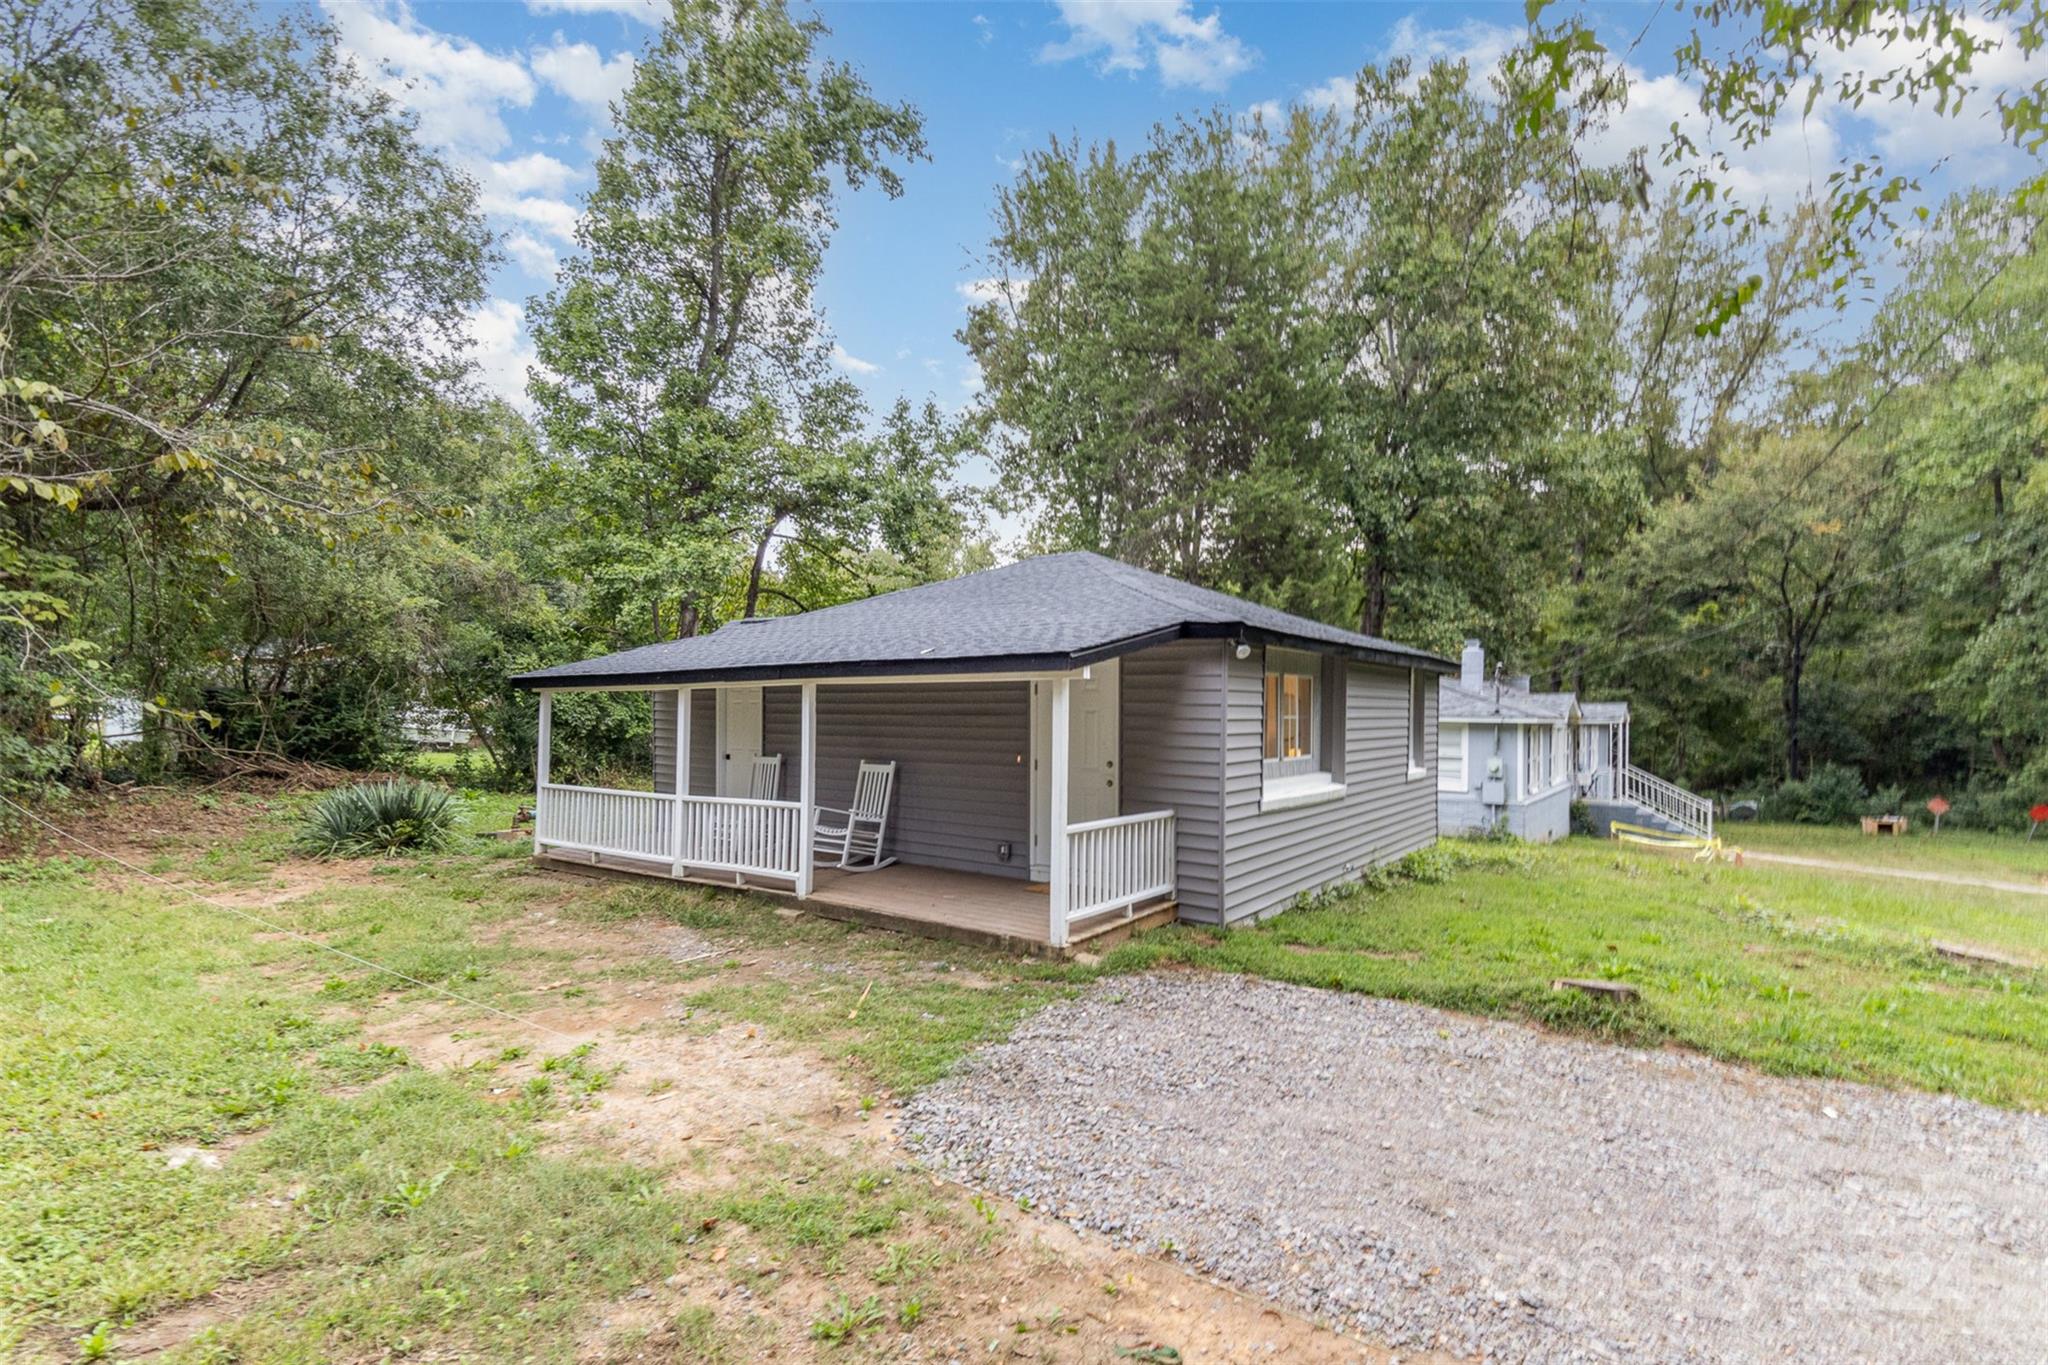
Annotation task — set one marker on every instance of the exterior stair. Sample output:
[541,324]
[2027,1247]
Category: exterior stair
[1635,797]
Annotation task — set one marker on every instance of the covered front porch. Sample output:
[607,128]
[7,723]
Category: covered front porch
[1005,822]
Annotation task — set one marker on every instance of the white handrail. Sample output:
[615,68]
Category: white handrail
[712,833]
[1692,812]
[1118,863]
[742,834]
[601,791]
[606,820]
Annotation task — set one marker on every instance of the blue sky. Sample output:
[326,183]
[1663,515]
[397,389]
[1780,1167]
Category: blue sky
[516,90]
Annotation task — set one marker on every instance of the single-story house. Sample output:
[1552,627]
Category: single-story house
[1057,747]
[1514,758]
[1504,754]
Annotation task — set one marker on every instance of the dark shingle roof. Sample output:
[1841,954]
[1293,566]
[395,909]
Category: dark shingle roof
[1493,702]
[1049,613]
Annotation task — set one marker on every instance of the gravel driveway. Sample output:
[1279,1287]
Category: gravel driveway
[1488,1189]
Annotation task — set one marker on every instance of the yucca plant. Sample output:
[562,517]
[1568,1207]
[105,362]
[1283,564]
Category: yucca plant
[378,817]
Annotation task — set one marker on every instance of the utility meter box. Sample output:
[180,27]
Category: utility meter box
[1494,792]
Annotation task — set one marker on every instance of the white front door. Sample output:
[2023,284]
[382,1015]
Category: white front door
[1094,780]
[739,739]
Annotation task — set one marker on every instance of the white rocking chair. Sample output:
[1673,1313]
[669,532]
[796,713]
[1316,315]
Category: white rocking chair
[852,838]
[765,782]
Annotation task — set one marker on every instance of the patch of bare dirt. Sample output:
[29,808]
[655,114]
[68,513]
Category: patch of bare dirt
[1030,1290]
[175,1327]
[671,1092]
[140,825]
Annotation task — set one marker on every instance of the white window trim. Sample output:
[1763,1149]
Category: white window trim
[1298,790]
[1315,765]
[1464,781]
[1418,726]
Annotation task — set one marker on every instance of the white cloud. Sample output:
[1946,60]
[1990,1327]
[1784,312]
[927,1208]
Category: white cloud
[1338,92]
[1803,149]
[1917,135]
[646,11]
[1133,35]
[987,290]
[985,32]
[852,363]
[1480,44]
[501,350]
[585,75]
[1793,161]
[530,190]
[457,88]
[534,173]
[533,255]
[555,217]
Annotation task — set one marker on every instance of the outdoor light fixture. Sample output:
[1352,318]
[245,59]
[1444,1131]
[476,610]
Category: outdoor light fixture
[1243,650]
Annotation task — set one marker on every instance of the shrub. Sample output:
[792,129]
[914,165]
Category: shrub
[1582,819]
[1830,795]
[378,817]
[1986,804]
[1886,801]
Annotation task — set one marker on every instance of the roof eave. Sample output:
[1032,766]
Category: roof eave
[544,680]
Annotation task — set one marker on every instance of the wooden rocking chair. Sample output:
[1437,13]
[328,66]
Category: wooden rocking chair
[765,782]
[852,838]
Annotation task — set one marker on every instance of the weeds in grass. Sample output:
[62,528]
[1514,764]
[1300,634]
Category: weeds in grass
[847,1321]
[410,1195]
[902,1263]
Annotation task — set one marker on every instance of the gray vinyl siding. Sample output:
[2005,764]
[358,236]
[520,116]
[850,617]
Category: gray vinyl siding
[664,704]
[962,784]
[1172,726]
[703,735]
[1270,857]
[1540,818]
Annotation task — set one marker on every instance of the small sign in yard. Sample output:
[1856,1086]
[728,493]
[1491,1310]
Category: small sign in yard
[2039,815]
[1937,807]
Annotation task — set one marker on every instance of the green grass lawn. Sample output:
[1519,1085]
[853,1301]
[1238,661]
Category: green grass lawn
[1795,972]
[394,1209]
[1966,852]
[391,1209]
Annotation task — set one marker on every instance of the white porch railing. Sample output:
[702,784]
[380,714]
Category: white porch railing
[606,820]
[718,833]
[735,834]
[1116,864]
[1694,814]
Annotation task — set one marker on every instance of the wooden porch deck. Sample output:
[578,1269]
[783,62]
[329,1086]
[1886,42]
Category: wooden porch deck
[994,912]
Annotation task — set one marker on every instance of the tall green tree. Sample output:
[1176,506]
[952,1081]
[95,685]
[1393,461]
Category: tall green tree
[1966,340]
[684,387]
[1474,372]
[233,286]
[1155,371]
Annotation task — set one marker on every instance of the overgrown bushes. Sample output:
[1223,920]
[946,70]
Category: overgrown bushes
[1833,795]
[378,817]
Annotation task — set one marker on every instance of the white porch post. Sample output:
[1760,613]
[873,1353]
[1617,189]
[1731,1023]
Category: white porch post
[682,813]
[541,755]
[807,790]
[1056,819]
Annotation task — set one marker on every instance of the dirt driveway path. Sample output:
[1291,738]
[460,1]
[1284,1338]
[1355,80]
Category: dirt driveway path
[1486,1188]
[1910,874]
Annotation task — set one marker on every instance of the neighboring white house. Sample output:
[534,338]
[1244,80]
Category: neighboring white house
[1505,754]
[1509,757]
